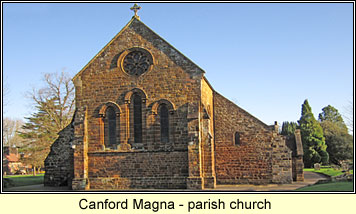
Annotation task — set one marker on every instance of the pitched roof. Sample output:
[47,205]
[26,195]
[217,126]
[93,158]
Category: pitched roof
[142,29]
[12,158]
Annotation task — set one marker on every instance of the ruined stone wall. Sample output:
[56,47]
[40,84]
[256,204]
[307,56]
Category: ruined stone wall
[59,162]
[127,170]
[173,78]
[254,160]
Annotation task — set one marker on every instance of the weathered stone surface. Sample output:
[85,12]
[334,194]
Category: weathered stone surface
[59,162]
[197,150]
[294,143]
[141,169]
[261,158]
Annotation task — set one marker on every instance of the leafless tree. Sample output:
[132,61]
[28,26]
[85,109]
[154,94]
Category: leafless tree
[59,88]
[11,129]
[349,116]
[54,104]
[5,93]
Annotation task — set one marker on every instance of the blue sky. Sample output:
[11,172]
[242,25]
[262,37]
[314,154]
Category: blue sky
[266,57]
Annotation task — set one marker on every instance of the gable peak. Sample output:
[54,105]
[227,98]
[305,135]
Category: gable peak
[135,8]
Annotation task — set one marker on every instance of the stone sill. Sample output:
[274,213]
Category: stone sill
[136,151]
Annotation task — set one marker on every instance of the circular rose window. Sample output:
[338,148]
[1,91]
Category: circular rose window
[137,61]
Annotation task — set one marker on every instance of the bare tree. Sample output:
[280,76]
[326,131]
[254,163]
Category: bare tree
[349,116]
[54,106]
[5,93]
[11,129]
[59,89]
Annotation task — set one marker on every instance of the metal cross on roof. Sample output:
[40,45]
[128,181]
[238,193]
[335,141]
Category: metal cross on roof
[135,8]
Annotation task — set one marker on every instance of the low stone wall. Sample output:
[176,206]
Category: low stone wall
[138,169]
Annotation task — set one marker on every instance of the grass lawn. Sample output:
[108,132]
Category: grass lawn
[332,186]
[327,171]
[24,180]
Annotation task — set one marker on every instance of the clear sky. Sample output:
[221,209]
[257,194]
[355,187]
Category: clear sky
[266,57]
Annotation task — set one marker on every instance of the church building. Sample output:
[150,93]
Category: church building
[146,117]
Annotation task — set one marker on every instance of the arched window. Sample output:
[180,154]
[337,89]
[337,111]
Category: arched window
[164,121]
[110,127]
[137,118]
[237,139]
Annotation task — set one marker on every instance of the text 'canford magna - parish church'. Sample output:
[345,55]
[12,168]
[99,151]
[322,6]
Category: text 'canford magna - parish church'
[146,117]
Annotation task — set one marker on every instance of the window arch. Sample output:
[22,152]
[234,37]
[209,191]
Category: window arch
[164,117]
[110,127]
[109,122]
[164,123]
[237,139]
[135,101]
[137,118]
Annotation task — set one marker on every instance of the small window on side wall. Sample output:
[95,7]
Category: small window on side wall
[237,139]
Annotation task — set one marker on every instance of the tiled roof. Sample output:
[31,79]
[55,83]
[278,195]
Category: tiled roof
[12,158]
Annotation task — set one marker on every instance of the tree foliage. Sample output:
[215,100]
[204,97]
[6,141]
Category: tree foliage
[54,107]
[312,137]
[337,138]
[288,128]
[330,113]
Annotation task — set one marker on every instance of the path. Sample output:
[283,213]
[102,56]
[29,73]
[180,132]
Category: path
[310,178]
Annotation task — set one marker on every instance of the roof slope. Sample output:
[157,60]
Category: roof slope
[157,41]
[12,158]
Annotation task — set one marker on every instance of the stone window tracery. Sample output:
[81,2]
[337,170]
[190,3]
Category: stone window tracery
[136,61]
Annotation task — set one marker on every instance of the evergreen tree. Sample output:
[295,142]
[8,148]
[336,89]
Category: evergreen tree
[288,128]
[312,137]
[54,105]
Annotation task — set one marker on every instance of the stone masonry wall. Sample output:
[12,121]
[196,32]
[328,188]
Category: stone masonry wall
[281,160]
[294,143]
[173,78]
[207,135]
[59,162]
[127,170]
[254,160]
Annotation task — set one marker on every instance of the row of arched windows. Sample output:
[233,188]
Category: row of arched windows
[110,120]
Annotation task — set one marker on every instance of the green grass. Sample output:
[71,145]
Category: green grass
[332,186]
[327,171]
[25,180]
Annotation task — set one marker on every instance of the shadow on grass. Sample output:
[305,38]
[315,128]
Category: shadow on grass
[22,180]
[341,186]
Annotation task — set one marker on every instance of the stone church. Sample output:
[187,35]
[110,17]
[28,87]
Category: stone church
[146,117]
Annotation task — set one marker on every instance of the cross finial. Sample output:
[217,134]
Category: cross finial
[135,8]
